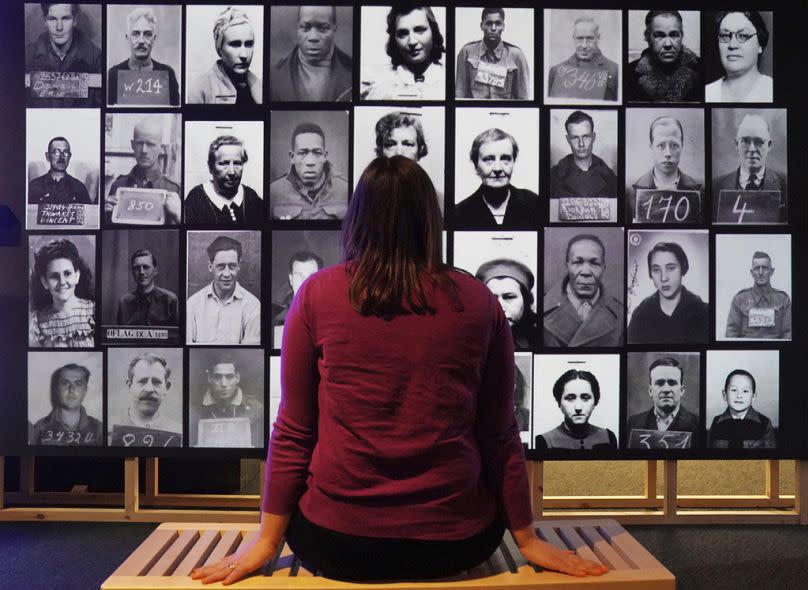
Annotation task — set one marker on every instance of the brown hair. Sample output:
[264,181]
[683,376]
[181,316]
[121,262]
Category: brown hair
[391,240]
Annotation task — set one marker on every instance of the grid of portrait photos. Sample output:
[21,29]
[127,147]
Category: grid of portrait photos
[188,167]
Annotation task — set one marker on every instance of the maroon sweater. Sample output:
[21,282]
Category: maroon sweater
[399,428]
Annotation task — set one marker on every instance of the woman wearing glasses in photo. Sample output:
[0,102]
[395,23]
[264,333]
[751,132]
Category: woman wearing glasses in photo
[742,39]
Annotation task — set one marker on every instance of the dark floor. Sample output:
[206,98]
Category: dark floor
[80,556]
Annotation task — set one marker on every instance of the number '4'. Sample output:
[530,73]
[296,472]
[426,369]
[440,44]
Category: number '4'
[741,212]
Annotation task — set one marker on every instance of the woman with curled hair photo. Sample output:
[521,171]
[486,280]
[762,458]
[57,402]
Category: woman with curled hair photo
[396,452]
[416,47]
[62,300]
[742,38]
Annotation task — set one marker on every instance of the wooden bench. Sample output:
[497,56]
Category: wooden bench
[166,558]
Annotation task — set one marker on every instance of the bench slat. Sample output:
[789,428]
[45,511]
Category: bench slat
[173,555]
[145,556]
[227,544]
[198,553]
[603,550]
[574,540]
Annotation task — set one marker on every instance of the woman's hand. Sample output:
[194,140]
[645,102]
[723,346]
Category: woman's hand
[551,558]
[234,567]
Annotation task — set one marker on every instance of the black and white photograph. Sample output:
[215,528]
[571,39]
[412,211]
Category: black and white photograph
[64,66]
[142,168]
[63,168]
[753,286]
[224,173]
[739,56]
[497,169]
[507,263]
[668,290]
[144,55]
[750,170]
[664,56]
[140,279]
[308,165]
[223,288]
[144,397]
[583,165]
[310,53]
[61,292]
[583,52]
[576,402]
[665,165]
[417,133]
[662,400]
[523,393]
[274,392]
[583,287]
[495,56]
[296,255]
[226,397]
[224,48]
[65,403]
[403,53]
[743,399]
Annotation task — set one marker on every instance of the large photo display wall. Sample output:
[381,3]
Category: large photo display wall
[187,167]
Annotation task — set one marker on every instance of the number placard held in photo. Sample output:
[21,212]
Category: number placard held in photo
[665,206]
[137,87]
[143,206]
[743,207]
[659,439]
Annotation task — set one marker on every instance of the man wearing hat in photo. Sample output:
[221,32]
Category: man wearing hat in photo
[581,313]
[512,283]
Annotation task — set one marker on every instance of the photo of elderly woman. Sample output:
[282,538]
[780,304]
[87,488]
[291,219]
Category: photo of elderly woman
[62,299]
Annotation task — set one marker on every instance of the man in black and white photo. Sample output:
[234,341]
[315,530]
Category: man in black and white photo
[581,173]
[68,423]
[224,199]
[666,142]
[147,304]
[496,204]
[492,68]
[226,400]
[302,265]
[666,389]
[142,30]
[760,311]
[64,48]
[753,143]
[666,71]
[316,69]
[147,173]
[581,313]
[312,189]
[56,185]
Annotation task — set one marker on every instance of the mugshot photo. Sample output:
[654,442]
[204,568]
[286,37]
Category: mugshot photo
[583,286]
[140,279]
[308,165]
[583,56]
[61,292]
[227,48]
[274,392]
[753,286]
[665,151]
[523,393]
[63,62]
[142,165]
[296,255]
[403,53]
[224,173]
[495,53]
[750,169]
[144,55]
[576,402]
[664,56]
[417,133]
[63,151]
[226,397]
[668,290]
[583,165]
[743,399]
[662,400]
[497,169]
[739,56]
[223,288]
[144,397]
[310,53]
[506,262]
[65,403]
